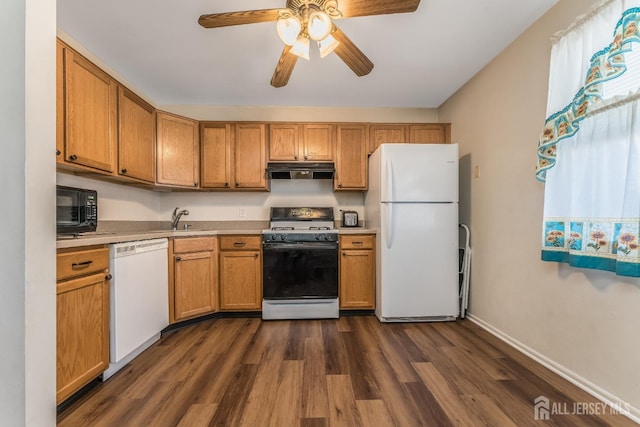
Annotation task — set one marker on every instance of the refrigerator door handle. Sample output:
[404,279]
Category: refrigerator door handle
[389,226]
[388,188]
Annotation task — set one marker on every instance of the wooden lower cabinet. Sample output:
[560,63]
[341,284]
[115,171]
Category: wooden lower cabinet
[357,272]
[192,277]
[82,319]
[240,273]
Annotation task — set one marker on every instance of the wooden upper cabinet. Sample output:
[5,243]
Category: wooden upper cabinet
[317,142]
[215,155]
[437,133]
[59,102]
[90,114]
[249,156]
[312,142]
[351,157]
[283,142]
[177,151]
[381,133]
[136,137]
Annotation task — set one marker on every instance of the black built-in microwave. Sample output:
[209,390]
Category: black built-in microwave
[76,210]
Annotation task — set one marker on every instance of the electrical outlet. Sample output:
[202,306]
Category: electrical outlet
[242,212]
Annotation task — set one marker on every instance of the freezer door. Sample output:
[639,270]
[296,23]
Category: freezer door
[419,172]
[418,263]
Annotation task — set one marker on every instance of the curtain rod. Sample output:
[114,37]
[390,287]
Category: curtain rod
[581,20]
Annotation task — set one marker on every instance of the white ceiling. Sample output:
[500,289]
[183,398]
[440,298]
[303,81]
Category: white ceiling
[420,58]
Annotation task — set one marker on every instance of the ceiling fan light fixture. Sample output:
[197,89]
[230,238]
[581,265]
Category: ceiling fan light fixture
[301,47]
[327,45]
[319,25]
[288,29]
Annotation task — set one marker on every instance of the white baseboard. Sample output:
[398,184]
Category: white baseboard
[586,385]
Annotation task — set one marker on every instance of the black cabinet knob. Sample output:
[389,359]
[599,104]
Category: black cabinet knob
[58,152]
[295,157]
[237,185]
[73,157]
[339,184]
[108,277]
[257,254]
[226,184]
[178,258]
[123,171]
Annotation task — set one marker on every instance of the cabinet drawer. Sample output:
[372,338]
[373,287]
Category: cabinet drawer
[357,241]
[80,263]
[194,244]
[240,242]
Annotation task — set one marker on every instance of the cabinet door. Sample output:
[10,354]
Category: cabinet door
[177,151]
[59,102]
[82,332]
[283,142]
[429,133]
[215,160]
[240,280]
[318,142]
[357,282]
[380,133]
[136,137]
[90,114]
[194,284]
[250,156]
[351,158]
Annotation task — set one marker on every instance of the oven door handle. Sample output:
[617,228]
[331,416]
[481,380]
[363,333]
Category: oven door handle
[299,246]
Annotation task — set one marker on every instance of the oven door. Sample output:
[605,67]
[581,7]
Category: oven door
[306,270]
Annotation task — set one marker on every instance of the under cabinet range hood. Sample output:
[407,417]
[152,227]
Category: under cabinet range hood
[297,170]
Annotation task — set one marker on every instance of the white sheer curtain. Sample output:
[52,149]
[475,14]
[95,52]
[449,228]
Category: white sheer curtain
[589,151]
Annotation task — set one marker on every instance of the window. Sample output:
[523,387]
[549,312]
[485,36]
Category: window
[589,150]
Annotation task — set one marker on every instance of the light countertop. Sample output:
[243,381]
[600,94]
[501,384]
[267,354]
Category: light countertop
[109,237]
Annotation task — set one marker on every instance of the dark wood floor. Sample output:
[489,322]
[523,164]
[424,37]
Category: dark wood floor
[348,372]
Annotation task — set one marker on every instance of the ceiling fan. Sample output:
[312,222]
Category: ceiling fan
[305,20]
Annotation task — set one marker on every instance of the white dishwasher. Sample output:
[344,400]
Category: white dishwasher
[139,299]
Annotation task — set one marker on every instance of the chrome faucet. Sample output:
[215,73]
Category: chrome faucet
[175,218]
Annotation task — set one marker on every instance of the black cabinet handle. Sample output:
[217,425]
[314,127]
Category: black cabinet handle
[178,258]
[81,264]
[108,277]
[123,171]
[58,152]
[73,157]
[239,244]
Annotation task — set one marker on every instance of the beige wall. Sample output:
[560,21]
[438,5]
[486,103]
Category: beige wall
[585,322]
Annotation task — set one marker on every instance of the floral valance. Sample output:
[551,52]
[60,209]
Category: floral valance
[605,65]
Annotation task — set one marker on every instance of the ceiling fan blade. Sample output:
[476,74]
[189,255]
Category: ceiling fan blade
[284,68]
[350,54]
[352,8]
[227,19]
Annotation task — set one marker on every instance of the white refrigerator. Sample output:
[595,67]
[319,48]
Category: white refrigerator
[412,202]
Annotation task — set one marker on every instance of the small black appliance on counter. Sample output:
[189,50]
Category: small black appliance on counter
[76,210]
